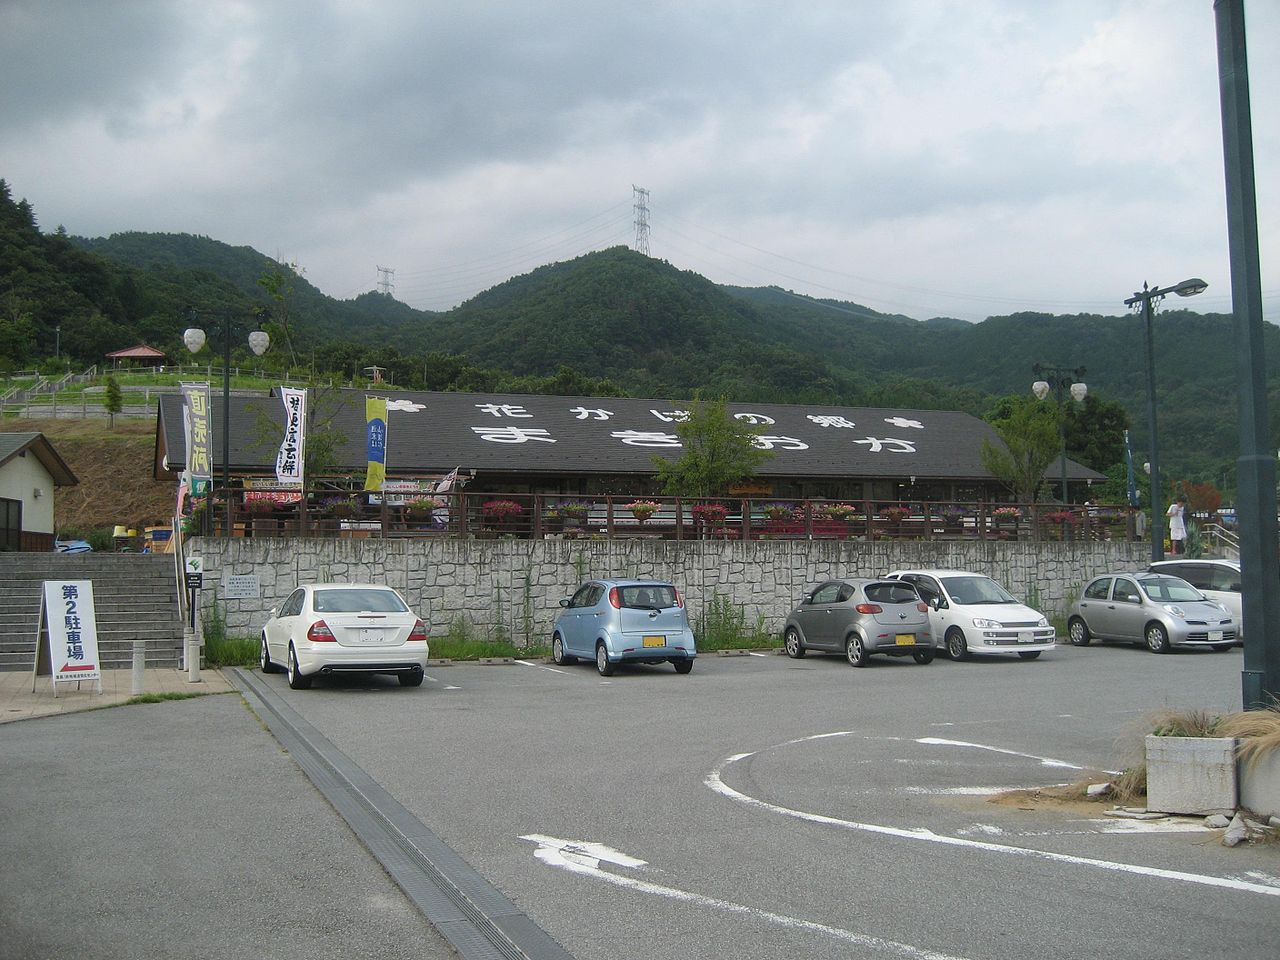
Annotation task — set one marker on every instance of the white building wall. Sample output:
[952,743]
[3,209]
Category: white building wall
[19,478]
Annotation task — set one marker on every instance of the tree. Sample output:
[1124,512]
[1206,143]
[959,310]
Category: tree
[281,285]
[718,451]
[1029,431]
[115,401]
[1095,432]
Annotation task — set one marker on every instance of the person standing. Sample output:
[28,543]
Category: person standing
[1177,524]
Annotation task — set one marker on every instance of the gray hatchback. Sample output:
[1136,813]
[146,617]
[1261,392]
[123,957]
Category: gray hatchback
[859,617]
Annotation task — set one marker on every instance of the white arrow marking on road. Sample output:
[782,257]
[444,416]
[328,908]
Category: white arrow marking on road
[584,859]
[716,783]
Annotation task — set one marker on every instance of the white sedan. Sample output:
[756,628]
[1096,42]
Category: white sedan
[328,628]
[971,613]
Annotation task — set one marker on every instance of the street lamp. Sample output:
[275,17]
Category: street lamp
[1187,288]
[195,338]
[1058,379]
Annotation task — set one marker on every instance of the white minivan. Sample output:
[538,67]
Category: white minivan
[1216,579]
[971,613]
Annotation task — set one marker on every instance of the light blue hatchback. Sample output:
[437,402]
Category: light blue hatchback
[617,621]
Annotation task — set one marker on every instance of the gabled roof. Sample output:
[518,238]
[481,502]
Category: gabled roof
[15,444]
[529,435]
[139,352]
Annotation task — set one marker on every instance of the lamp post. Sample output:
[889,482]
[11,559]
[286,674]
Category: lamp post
[1187,288]
[1058,379]
[195,338]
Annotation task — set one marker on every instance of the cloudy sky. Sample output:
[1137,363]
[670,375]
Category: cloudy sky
[926,157]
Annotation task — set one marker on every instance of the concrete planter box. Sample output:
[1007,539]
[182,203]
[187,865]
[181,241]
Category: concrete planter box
[1193,775]
[1260,784]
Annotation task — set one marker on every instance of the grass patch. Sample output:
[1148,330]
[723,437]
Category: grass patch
[464,642]
[161,697]
[723,626]
[1186,723]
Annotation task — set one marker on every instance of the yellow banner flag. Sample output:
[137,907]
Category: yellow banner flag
[375,415]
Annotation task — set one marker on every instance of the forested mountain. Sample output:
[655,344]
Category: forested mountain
[612,322]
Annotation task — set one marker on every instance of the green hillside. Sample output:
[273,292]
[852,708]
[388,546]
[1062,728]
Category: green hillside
[614,322]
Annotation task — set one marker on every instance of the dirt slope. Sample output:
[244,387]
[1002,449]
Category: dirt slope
[113,465]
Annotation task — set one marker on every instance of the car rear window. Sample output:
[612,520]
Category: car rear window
[656,596]
[892,593]
[357,601]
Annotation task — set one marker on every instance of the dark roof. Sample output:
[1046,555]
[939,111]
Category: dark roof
[13,444]
[522,434]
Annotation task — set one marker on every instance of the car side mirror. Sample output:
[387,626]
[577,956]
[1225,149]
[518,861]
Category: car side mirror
[936,603]
[273,612]
[1236,588]
[564,601]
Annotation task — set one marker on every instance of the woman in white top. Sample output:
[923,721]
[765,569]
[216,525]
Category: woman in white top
[1177,525]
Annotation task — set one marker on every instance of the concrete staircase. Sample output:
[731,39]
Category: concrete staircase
[135,597]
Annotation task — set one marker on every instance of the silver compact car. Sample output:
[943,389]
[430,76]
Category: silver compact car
[971,613]
[327,628]
[1149,608]
[861,617]
[1217,579]
[617,621]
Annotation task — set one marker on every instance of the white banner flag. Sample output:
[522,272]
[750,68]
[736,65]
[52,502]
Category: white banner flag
[289,460]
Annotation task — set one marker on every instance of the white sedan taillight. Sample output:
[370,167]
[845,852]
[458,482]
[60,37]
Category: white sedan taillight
[419,631]
[319,632]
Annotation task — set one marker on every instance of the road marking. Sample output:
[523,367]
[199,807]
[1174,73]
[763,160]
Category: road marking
[541,666]
[715,782]
[584,859]
[1044,761]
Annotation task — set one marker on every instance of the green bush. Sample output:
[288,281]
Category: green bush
[723,626]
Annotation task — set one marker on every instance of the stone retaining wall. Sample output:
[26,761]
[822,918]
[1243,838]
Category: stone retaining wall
[512,587]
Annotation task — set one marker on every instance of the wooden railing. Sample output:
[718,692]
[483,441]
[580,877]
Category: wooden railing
[541,516]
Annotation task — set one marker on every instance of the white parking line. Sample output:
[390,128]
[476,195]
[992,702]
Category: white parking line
[715,781]
[540,666]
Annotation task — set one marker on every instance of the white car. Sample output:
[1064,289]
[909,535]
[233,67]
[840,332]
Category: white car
[971,613]
[327,628]
[1217,579]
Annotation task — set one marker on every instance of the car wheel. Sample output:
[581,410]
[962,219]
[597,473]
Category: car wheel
[957,646]
[795,646]
[264,658]
[1079,633]
[296,680]
[1028,654]
[682,666]
[602,660]
[923,656]
[557,651]
[1222,647]
[1157,638]
[411,679]
[855,651]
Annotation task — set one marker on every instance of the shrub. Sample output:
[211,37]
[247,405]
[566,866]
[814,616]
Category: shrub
[712,514]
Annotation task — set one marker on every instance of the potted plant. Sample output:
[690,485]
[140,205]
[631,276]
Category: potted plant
[838,511]
[421,509]
[500,513]
[642,510]
[894,514]
[779,512]
[573,511]
[710,515]
[342,508]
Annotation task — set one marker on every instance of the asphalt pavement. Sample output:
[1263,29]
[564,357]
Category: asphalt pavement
[181,829]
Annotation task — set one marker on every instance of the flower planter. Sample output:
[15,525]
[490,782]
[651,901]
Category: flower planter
[1260,784]
[1193,775]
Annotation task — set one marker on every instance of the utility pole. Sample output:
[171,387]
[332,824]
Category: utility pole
[640,196]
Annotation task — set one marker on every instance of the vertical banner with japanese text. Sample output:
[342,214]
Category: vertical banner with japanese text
[293,447]
[375,415]
[73,630]
[196,425]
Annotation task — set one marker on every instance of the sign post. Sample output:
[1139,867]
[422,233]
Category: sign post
[194,577]
[67,616]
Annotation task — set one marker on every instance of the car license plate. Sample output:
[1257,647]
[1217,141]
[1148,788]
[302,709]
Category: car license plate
[1215,636]
[905,639]
[655,641]
[1026,636]
[371,635]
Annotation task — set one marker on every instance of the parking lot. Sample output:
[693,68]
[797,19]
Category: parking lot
[767,807]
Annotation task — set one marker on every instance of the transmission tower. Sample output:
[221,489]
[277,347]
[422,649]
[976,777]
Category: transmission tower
[386,284]
[641,197]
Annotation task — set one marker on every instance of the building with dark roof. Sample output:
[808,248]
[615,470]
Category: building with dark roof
[590,445]
[30,469]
